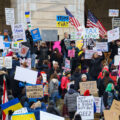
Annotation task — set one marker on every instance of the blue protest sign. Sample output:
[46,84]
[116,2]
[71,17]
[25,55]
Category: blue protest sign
[62,18]
[36,34]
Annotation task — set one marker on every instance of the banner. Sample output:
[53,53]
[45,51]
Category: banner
[48,116]
[62,21]
[91,33]
[35,91]
[36,34]
[98,104]
[6,62]
[49,35]
[29,116]
[9,15]
[18,33]
[71,53]
[85,107]
[113,12]
[23,51]
[113,34]
[102,46]
[90,85]
[25,75]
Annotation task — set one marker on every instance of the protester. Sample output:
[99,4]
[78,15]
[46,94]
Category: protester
[70,100]
[109,95]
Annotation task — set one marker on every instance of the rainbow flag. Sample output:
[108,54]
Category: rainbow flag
[11,105]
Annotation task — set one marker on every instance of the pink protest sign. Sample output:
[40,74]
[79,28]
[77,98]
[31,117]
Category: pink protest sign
[57,45]
[71,53]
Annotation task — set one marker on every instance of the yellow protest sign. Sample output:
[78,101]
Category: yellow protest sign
[62,24]
[79,44]
[30,116]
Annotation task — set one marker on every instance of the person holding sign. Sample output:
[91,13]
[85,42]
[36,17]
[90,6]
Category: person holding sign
[109,95]
[95,65]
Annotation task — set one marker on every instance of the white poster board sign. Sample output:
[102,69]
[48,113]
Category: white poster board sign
[89,54]
[1,43]
[91,33]
[113,12]
[113,34]
[9,14]
[48,116]
[18,33]
[25,75]
[116,60]
[20,111]
[98,104]
[102,46]
[85,107]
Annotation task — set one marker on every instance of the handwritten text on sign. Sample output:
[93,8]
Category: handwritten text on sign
[91,86]
[34,91]
[85,107]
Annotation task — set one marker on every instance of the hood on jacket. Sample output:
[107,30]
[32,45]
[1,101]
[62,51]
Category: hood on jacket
[109,87]
[71,91]
[54,80]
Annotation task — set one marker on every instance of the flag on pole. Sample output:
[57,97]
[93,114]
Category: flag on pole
[93,22]
[4,99]
[72,20]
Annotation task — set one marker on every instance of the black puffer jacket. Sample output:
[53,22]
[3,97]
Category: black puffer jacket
[76,77]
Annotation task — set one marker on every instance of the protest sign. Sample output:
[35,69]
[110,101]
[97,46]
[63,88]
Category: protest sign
[115,23]
[6,62]
[25,75]
[9,14]
[62,21]
[1,42]
[113,12]
[115,106]
[113,34]
[49,35]
[27,16]
[111,115]
[46,89]
[15,45]
[79,44]
[29,116]
[91,33]
[89,54]
[102,46]
[21,111]
[44,77]
[48,116]
[116,60]
[91,86]
[18,33]
[71,53]
[85,107]
[23,51]
[36,34]
[79,34]
[57,45]
[98,104]
[35,91]
[67,65]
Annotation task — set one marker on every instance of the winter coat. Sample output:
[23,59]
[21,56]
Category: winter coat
[53,110]
[102,87]
[53,86]
[95,66]
[64,82]
[76,77]
[70,100]
[108,98]
[113,48]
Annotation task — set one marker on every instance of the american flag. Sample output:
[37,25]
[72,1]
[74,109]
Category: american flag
[93,22]
[72,20]
[4,99]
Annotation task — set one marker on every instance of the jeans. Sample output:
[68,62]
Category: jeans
[33,60]
[54,96]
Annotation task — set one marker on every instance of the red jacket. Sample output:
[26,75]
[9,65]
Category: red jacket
[64,82]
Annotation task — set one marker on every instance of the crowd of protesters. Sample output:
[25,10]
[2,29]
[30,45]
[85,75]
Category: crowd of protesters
[51,61]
